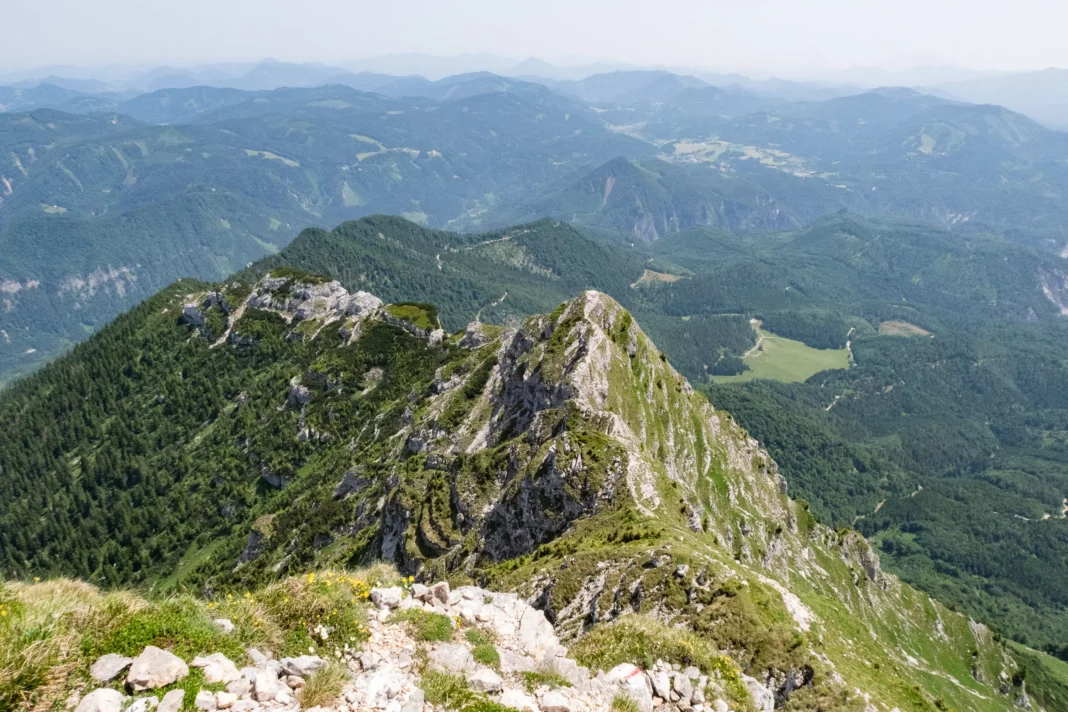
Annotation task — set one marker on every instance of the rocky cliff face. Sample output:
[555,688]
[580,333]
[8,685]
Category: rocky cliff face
[566,460]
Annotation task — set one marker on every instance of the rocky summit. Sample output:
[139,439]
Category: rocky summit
[612,539]
[528,669]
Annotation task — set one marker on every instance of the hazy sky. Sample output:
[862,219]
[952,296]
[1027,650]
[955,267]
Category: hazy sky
[768,35]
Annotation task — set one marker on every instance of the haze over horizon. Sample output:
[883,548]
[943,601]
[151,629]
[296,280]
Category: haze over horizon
[766,37]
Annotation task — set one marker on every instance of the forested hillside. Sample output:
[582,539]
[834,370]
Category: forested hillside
[220,436]
[958,358]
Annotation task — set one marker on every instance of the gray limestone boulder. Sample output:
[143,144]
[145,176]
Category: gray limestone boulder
[225,700]
[102,700]
[512,663]
[217,668]
[451,658]
[555,701]
[416,701]
[109,667]
[634,683]
[144,704]
[266,686]
[763,698]
[155,667]
[363,302]
[205,701]
[172,701]
[302,666]
[518,700]
[485,680]
[440,592]
[386,597]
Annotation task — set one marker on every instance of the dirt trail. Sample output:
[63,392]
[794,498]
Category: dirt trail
[230,324]
[755,323]
[478,316]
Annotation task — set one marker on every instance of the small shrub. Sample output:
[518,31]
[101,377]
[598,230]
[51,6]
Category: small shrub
[486,654]
[642,640]
[480,636]
[180,625]
[534,680]
[484,705]
[323,686]
[320,610]
[448,691]
[424,625]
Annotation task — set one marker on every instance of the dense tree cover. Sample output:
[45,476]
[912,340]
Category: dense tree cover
[499,275]
[142,451]
[946,447]
[950,452]
[704,344]
[950,411]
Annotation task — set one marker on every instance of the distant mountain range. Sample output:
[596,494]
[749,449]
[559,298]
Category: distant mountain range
[104,198]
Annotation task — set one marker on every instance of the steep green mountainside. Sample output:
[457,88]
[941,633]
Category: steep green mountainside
[502,275]
[228,435]
[946,439]
[974,415]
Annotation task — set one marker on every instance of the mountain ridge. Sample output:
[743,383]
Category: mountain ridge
[532,456]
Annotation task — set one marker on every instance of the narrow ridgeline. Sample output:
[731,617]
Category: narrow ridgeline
[267,429]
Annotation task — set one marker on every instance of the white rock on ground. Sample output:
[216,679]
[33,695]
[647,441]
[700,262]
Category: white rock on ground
[154,668]
[518,700]
[102,700]
[172,701]
[485,680]
[555,701]
[302,666]
[763,698]
[205,701]
[225,625]
[217,668]
[225,700]
[634,683]
[266,685]
[144,704]
[451,657]
[385,677]
[109,667]
[386,597]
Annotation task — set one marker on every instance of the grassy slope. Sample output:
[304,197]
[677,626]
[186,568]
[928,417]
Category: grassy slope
[52,631]
[786,360]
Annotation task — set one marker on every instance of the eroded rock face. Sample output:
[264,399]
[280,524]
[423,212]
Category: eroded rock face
[763,698]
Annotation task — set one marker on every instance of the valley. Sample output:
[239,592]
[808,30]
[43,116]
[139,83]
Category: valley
[777,359]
